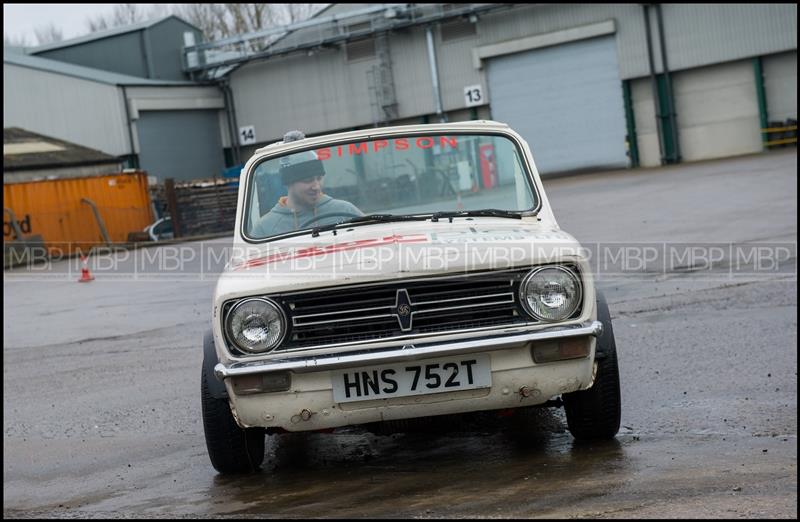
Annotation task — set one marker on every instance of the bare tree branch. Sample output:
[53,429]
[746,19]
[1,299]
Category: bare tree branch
[48,34]
[216,21]
[124,14]
[223,20]
[15,41]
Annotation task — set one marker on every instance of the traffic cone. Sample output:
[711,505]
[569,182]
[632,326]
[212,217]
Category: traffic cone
[86,276]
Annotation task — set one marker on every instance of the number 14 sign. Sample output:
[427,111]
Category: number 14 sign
[473,95]
[247,135]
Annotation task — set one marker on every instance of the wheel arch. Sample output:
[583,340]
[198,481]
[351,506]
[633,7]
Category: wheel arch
[215,387]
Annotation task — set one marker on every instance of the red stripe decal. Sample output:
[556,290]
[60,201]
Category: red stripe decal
[340,247]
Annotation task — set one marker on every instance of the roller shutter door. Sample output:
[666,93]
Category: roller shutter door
[566,101]
[717,111]
[182,145]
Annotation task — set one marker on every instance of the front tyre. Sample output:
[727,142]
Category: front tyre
[595,413]
[232,449]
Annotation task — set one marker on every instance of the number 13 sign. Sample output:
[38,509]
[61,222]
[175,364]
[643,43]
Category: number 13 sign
[473,95]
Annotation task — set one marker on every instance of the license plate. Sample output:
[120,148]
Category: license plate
[447,374]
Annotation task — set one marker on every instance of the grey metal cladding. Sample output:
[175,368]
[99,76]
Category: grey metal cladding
[702,34]
[696,34]
[82,72]
[323,91]
[315,93]
[454,58]
[166,42]
[412,77]
[39,94]
[121,54]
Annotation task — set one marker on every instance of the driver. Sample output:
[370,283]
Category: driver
[302,174]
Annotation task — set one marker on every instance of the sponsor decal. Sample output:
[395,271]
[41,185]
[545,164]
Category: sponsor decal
[369,147]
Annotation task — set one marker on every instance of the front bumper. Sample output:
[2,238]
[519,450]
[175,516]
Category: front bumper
[310,404]
[405,353]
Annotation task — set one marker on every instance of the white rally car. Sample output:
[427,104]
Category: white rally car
[400,273]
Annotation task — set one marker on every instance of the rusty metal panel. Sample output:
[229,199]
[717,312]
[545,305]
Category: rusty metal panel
[54,210]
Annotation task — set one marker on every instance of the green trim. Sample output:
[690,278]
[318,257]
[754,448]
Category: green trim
[633,145]
[670,152]
[227,153]
[129,161]
[473,113]
[761,94]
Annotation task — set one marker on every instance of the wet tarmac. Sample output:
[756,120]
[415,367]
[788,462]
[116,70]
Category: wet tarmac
[102,413]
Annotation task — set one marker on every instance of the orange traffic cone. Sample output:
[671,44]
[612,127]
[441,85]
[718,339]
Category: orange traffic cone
[86,276]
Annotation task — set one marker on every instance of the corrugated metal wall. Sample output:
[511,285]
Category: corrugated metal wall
[324,92]
[412,75]
[316,94]
[89,113]
[54,210]
[456,71]
[696,34]
[703,34]
[166,41]
[123,54]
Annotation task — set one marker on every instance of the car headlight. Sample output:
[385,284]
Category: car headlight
[256,325]
[551,293]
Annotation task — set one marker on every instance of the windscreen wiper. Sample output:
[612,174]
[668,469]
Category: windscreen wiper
[484,212]
[369,218]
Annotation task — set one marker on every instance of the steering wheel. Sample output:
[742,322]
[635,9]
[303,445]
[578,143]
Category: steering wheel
[329,214]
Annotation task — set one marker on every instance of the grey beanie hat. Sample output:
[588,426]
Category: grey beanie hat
[300,166]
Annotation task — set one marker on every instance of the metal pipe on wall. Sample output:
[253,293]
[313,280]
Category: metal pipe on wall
[437,96]
[653,83]
[134,157]
[232,131]
[668,84]
[235,130]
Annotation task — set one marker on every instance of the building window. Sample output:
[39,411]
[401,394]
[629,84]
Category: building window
[457,29]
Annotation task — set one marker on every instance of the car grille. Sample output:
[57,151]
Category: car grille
[371,312]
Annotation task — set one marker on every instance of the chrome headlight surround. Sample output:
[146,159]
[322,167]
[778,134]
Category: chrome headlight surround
[258,309]
[539,308]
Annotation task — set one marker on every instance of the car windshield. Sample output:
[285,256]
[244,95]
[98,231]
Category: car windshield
[388,178]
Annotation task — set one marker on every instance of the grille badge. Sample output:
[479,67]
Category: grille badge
[403,310]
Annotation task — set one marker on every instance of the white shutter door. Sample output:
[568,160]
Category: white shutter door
[566,101]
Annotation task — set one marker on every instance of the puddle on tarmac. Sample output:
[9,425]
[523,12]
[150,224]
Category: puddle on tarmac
[338,474]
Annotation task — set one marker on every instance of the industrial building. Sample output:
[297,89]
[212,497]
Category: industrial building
[168,127]
[149,49]
[588,85]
